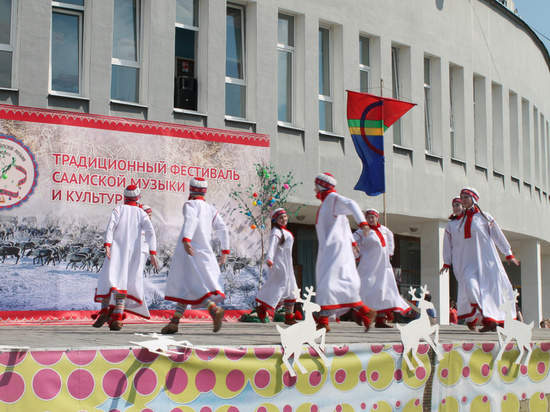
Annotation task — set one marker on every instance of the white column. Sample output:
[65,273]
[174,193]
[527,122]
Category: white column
[545,286]
[431,254]
[531,286]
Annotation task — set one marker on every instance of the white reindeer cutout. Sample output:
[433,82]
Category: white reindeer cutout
[514,329]
[294,337]
[161,343]
[420,328]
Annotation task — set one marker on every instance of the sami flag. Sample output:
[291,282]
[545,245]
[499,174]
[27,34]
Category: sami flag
[369,116]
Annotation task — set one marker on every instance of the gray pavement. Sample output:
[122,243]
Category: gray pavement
[63,337]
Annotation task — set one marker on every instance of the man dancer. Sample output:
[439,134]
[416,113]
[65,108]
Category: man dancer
[194,277]
[121,276]
[338,282]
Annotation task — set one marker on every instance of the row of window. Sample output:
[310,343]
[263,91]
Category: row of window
[66,68]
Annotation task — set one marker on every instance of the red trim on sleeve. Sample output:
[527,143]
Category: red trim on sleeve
[270,261]
[509,257]
[152,252]
[226,251]
[186,239]
[107,244]
[446,266]
[354,244]
[362,224]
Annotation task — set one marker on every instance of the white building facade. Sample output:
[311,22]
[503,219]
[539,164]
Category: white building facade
[479,76]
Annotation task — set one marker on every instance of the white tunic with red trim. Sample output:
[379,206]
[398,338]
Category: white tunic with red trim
[453,250]
[338,282]
[486,282]
[192,279]
[123,273]
[378,286]
[280,281]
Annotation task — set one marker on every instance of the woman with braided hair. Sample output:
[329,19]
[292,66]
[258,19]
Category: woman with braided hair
[485,279]
[281,282]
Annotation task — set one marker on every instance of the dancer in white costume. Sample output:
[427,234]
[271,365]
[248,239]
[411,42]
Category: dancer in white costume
[338,282]
[378,285]
[281,282]
[194,277]
[453,250]
[121,277]
[485,279]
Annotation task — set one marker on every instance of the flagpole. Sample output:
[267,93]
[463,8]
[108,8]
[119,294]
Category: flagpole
[383,194]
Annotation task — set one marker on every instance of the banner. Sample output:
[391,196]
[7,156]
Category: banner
[62,173]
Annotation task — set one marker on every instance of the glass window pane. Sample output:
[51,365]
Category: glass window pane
[65,52]
[395,73]
[325,116]
[125,30]
[235,100]
[185,43]
[364,58]
[285,87]
[286,30]
[5,69]
[5,21]
[234,46]
[73,2]
[426,70]
[125,84]
[324,60]
[187,12]
[364,80]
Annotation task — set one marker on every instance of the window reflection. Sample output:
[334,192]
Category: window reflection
[65,52]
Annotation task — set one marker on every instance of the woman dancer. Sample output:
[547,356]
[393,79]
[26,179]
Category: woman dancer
[453,249]
[280,280]
[378,286]
[486,282]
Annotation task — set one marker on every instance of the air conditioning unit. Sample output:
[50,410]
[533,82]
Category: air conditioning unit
[185,93]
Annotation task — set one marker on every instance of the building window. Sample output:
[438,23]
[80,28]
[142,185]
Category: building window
[126,60]
[514,134]
[428,132]
[526,141]
[235,76]
[456,115]
[66,46]
[364,64]
[544,159]
[285,51]
[480,121]
[452,112]
[396,92]
[187,31]
[7,38]
[498,128]
[536,143]
[325,94]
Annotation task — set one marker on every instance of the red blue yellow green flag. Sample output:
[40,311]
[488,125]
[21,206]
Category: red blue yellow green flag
[369,116]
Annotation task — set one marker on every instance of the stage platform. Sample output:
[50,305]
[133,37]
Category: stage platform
[80,368]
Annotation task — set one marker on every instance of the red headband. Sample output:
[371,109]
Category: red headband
[470,193]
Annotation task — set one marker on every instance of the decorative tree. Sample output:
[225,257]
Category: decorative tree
[258,200]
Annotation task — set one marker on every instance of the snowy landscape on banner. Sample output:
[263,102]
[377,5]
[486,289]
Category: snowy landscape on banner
[51,242]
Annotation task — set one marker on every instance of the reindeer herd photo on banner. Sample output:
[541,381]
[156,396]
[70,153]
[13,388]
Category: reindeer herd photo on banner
[63,173]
